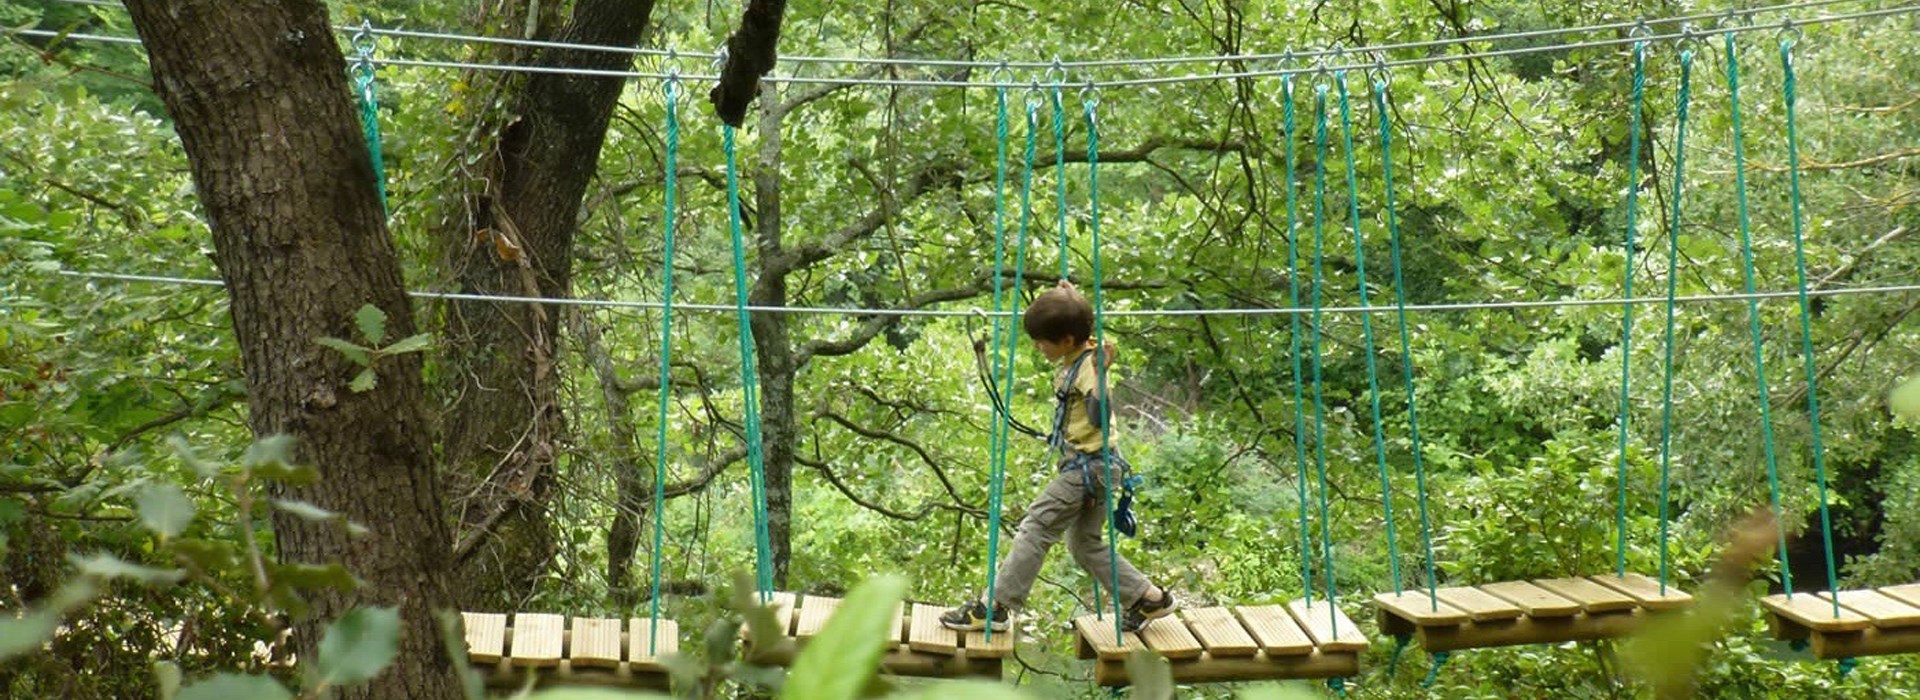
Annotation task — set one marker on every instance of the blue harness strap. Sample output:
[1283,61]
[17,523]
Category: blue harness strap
[1074,459]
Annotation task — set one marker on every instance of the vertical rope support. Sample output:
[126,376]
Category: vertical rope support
[1366,328]
[670,192]
[1791,98]
[1673,281]
[1293,320]
[1753,304]
[1380,103]
[749,379]
[363,45]
[1626,309]
[1318,284]
[1060,173]
[1000,360]
[1099,355]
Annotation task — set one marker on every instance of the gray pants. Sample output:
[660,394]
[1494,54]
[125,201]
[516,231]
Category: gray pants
[1066,508]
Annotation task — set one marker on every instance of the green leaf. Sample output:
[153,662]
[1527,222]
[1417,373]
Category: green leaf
[1278,692]
[192,458]
[372,322]
[166,676]
[1152,677]
[968,690]
[412,343]
[25,633]
[359,355]
[107,566]
[356,647]
[304,510]
[268,451]
[846,654]
[164,509]
[234,686]
[1905,400]
[363,381]
[312,576]
[592,694]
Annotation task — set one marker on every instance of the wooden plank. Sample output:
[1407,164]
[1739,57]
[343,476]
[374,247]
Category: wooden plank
[1421,609]
[1815,614]
[1170,637]
[903,623]
[1211,669]
[928,635]
[814,613]
[1646,591]
[1885,611]
[1531,630]
[1536,601]
[1591,596]
[1220,632]
[645,649]
[1000,647]
[1478,604]
[595,643]
[538,639]
[783,604]
[1097,632]
[1867,642]
[486,636]
[1909,593]
[1274,630]
[1327,625]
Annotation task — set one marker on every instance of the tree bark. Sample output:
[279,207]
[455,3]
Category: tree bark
[505,426]
[773,343]
[257,91]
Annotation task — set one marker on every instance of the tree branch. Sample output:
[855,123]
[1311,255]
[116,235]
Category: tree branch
[874,325]
[751,53]
[922,181]
[1144,151]
[927,458]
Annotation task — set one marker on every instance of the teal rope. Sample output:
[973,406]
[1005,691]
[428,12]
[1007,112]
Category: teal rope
[1806,316]
[1626,330]
[1293,301]
[1319,392]
[1753,304]
[749,380]
[1433,672]
[1366,327]
[1060,176]
[1000,329]
[671,192]
[1406,350]
[1673,281]
[1099,355]
[370,115]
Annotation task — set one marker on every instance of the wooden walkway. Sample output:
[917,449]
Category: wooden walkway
[584,650]
[921,647]
[1244,642]
[1540,611]
[1872,622]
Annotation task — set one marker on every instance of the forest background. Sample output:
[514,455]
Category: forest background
[1511,177]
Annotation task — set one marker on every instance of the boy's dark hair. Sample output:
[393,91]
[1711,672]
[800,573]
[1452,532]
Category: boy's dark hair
[1059,314]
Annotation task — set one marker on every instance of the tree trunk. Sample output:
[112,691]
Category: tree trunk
[257,90]
[773,342]
[505,427]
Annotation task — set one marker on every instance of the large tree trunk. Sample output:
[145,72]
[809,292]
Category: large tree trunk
[506,424]
[772,342]
[257,90]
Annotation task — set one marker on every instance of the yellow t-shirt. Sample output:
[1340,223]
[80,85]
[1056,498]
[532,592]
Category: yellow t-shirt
[1080,433]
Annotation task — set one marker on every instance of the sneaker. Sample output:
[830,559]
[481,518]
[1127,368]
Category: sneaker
[1145,611]
[973,616]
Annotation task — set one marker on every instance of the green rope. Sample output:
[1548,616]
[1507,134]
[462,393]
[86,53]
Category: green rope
[1806,315]
[1060,176]
[1406,350]
[1099,355]
[369,111]
[1001,333]
[749,380]
[1626,330]
[1293,301]
[1366,327]
[1673,281]
[1318,284]
[1753,303]
[671,191]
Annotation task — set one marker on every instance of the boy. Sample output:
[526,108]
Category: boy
[1060,322]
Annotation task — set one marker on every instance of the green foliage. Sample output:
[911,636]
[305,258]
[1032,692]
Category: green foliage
[358,646]
[1905,400]
[372,324]
[235,686]
[837,664]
